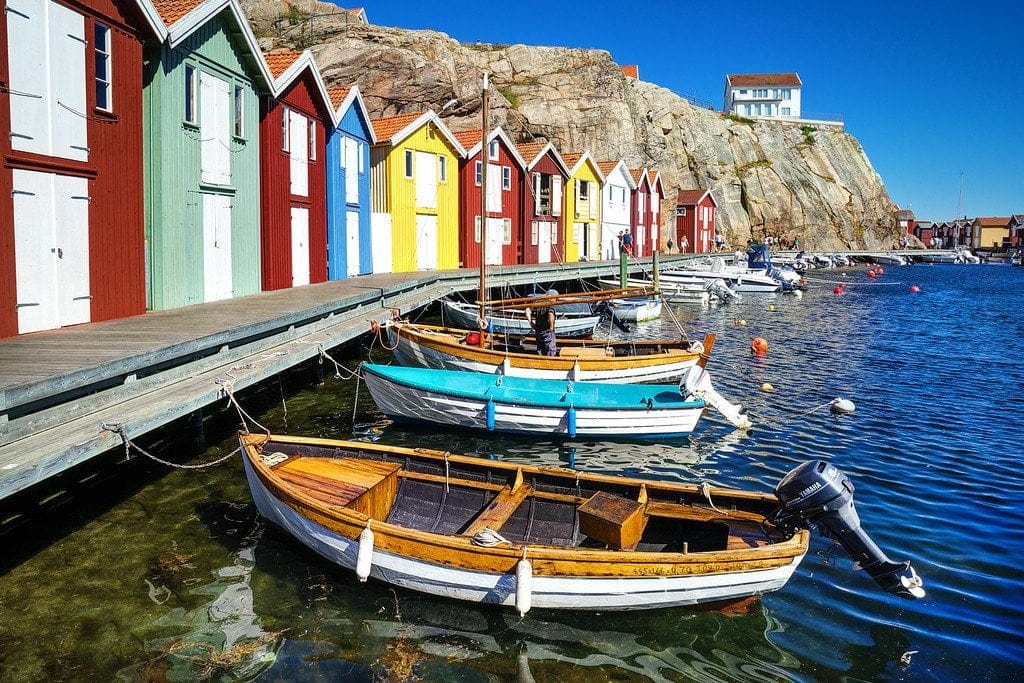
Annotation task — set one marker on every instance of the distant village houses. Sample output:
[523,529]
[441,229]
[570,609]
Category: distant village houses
[763,95]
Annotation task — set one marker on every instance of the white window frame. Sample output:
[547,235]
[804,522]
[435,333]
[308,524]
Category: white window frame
[476,233]
[478,172]
[492,150]
[410,162]
[442,168]
[534,232]
[506,177]
[506,237]
[105,84]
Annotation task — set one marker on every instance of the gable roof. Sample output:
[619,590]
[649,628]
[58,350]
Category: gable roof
[693,197]
[573,161]
[609,167]
[746,80]
[654,180]
[287,66]
[394,129]
[992,221]
[342,99]
[184,17]
[533,152]
[470,140]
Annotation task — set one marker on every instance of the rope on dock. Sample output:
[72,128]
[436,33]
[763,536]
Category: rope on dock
[118,428]
[338,367]
[228,390]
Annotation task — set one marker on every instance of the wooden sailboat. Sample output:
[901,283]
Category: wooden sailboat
[500,533]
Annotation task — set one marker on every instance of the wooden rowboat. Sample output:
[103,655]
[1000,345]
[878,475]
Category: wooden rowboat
[445,348]
[500,533]
[555,408]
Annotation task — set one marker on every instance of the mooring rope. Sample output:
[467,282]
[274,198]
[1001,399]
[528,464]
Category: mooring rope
[338,367]
[118,428]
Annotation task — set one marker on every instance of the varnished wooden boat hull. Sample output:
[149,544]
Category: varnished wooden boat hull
[296,495]
[443,348]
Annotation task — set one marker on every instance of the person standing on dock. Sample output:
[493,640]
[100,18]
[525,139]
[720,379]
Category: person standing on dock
[543,324]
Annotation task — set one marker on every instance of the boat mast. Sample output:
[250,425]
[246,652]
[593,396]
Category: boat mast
[483,207]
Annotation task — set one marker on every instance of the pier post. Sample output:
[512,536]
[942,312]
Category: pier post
[196,431]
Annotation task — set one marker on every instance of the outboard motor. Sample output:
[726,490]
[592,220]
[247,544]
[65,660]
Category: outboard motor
[818,493]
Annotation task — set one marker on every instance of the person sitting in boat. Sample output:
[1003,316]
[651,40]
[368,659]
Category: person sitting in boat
[543,323]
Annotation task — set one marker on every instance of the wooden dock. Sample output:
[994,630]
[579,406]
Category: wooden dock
[58,388]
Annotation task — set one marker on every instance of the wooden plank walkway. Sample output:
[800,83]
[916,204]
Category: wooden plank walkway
[57,388]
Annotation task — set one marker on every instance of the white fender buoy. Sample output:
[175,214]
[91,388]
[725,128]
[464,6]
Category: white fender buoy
[524,585]
[842,406]
[364,560]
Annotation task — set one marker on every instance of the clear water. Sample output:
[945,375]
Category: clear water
[148,573]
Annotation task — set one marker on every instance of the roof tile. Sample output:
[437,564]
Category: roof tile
[279,60]
[338,95]
[173,10]
[386,128]
[689,196]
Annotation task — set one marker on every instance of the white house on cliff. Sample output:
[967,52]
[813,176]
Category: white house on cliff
[763,95]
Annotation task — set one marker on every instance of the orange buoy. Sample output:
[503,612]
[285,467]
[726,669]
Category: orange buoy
[767,387]
[759,346]
[915,288]
[879,271]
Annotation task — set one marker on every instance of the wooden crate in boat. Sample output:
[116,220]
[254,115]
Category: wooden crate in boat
[613,520]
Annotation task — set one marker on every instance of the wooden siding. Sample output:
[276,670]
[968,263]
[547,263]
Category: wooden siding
[511,208]
[174,206]
[276,199]
[572,249]
[546,165]
[113,171]
[400,199]
[352,126]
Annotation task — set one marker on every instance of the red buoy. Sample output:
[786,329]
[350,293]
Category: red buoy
[838,289]
[915,288]
[878,270]
[759,346]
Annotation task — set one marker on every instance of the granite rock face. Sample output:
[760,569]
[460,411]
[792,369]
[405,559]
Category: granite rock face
[786,180]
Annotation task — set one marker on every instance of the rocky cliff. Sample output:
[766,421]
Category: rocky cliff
[769,178]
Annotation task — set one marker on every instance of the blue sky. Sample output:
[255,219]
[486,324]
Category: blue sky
[931,90]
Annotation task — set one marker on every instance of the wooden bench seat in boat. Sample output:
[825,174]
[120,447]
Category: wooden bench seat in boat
[499,510]
[584,351]
[367,486]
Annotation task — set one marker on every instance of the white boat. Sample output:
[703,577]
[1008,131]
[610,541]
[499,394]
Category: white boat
[553,408]
[738,279]
[887,259]
[636,309]
[568,323]
[701,293]
[522,536]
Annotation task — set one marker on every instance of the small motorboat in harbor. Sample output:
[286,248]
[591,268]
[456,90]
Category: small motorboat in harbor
[501,533]
[569,322]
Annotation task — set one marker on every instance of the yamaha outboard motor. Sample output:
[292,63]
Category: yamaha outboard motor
[818,493]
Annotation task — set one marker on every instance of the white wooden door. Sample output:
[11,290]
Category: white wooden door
[544,241]
[214,130]
[51,250]
[71,223]
[217,277]
[298,145]
[426,242]
[495,239]
[300,246]
[46,80]
[494,191]
[352,242]
[426,180]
